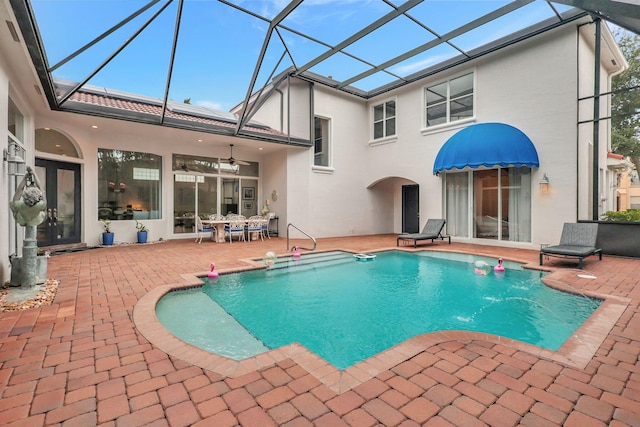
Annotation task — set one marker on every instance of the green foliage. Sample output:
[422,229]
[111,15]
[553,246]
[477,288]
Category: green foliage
[632,215]
[140,226]
[187,101]
[106,224]
[625,103]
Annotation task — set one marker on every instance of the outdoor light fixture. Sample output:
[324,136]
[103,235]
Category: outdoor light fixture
[14,156]
[544,183]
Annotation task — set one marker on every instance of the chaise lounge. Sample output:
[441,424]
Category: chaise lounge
[432,230]
[577,241]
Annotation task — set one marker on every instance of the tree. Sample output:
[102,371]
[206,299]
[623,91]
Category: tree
[625,103]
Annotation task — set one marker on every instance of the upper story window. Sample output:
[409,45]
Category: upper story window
[384,120]
[449,101]
[321,142]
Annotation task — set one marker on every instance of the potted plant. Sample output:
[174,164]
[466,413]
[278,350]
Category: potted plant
[142,232]
[107,235]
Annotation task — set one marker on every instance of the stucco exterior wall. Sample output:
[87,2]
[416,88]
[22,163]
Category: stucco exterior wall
[533,85]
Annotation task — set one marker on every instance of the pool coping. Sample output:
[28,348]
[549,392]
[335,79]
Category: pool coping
[576,352]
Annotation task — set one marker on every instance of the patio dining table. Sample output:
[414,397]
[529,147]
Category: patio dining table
[219,224]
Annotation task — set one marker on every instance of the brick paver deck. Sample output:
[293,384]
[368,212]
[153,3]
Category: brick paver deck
[94,357]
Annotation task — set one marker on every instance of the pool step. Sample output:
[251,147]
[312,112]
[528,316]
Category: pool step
[312,260]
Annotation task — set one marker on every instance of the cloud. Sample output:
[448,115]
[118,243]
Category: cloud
[412,67]
[211,105]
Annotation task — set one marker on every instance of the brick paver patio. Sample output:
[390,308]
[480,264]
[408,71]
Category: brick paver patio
[94,357]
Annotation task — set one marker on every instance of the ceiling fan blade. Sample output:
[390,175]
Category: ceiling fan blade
[233,161]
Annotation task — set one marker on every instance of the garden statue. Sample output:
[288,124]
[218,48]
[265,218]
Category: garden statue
[29,208]
[29,205]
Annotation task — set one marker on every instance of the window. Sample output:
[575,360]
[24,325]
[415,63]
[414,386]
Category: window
[384,120]
[15,121]
[449,101]
[128,185]
[321,142]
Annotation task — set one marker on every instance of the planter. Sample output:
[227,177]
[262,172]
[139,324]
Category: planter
[107,239]
[619,238]
[142,236]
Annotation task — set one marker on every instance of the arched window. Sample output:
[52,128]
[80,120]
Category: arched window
[53,142]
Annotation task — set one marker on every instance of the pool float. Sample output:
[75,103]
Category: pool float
[364,257]
[499,268]
[213,273]
[481,268]
[270,258]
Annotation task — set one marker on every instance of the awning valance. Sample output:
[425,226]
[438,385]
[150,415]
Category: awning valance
[489,145]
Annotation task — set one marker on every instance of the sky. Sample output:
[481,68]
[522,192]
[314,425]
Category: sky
[219,46]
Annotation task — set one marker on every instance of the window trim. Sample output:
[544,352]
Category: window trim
[448,123]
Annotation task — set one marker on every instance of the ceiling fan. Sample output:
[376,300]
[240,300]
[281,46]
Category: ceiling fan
[233,161]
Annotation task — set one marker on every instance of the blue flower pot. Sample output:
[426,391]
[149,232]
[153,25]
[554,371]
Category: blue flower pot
[107,239]
[142,237]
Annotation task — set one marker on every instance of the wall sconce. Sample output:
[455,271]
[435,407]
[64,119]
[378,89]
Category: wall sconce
[14,156]
[544,183]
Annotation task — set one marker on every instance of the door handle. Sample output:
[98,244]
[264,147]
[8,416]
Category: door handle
[55,217]
[49,217]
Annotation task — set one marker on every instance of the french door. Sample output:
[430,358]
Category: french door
[60,183]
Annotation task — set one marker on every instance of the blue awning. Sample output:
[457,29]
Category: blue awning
[489,145]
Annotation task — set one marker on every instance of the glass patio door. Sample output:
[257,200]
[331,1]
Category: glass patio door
[193,195]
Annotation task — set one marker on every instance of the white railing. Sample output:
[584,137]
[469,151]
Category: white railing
[310,237]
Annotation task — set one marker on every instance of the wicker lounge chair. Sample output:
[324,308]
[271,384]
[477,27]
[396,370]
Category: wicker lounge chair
[577,241]
[432,230]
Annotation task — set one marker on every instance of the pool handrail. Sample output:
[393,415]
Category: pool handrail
[293,247]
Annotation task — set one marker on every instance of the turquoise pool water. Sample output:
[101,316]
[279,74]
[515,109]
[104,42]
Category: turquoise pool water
[346,310]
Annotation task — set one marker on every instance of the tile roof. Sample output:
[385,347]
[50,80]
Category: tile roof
[138,106]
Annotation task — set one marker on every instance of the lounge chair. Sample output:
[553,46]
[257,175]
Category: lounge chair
[577,241]
[432,230]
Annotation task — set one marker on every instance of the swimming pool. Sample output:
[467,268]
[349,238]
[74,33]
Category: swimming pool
[346,311]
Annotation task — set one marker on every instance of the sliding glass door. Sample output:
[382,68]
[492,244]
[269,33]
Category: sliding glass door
[498,208]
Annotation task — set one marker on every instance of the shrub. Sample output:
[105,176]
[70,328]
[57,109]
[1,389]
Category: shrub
[632,215]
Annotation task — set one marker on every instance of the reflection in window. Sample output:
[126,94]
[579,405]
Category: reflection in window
[193,195]
[54,142]
[501,207]
[129,185]
[211,165]
[321,142]
[384,120]
[450,101]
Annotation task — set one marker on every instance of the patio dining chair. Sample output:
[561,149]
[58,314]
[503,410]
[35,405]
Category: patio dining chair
[235,228]
[202,229]
[265,224]
[254,225]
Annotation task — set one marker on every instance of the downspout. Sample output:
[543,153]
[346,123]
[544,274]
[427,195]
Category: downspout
[596,124]
[281,109]
[312,110]
[289,107]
